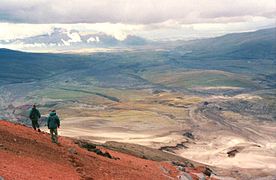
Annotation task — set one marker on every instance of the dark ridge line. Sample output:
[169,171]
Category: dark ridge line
[111,98]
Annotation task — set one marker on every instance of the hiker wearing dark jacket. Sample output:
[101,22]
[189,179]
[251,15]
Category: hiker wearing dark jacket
[34,116]
[53,123]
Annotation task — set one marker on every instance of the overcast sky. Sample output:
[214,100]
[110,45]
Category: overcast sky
[153,19]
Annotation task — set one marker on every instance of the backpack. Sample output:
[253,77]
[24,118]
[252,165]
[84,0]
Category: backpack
[33,114]
[51,118]
[51,121]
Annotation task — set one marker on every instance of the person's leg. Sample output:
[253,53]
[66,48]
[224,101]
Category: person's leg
[33,124]
[37,125]
[52,135]
[56,135]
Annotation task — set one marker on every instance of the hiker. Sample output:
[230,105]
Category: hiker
[53,123]
[34,116]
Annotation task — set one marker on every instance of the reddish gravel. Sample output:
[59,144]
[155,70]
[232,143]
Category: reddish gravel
[26,154]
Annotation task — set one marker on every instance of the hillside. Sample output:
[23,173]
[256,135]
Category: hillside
[249,45]
[26,154]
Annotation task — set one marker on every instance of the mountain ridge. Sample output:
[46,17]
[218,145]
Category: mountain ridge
[247,45]
[63,39]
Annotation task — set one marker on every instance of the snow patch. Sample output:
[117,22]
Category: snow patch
[93,39]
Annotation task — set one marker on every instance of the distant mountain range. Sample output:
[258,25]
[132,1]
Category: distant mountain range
[62,39]
[259,45]
[249,45]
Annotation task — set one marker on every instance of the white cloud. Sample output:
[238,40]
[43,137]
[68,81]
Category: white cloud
[15,30]
[172,30]
[151,19]
[133,12]
[167,30]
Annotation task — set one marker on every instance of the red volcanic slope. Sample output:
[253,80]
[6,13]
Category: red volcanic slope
[26,154]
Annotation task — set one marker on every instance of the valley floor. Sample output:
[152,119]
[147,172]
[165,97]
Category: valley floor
[197,128]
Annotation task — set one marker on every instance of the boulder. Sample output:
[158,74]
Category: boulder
[189,135]
[72,151]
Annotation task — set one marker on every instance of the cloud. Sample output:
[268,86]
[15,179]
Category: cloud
[13,31]
[10,31]
[133,12]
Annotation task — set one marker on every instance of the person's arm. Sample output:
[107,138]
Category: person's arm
[48,121]
[30,112]
[38,113]
[58,121]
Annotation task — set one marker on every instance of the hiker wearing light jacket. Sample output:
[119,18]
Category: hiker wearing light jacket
[53,123]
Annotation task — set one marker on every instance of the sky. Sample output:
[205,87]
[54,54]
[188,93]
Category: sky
[151,19]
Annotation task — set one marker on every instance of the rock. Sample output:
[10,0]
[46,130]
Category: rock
[189,164]
[181,146]
[92,148]
[232,153]
[172,148]
[181,168]
[189,135]
[182,165]
[1,145]
[167,148]
[208,172]
[157,91]
[205,103]
[97,151]
[72,151]
[201,176]
[79,169]
[85,144]
[144,157]
[14,140]
[185,176]
[106,154]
